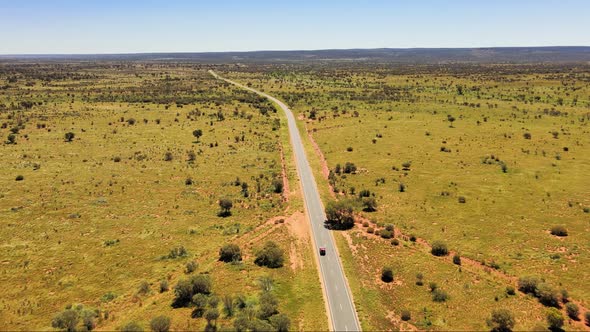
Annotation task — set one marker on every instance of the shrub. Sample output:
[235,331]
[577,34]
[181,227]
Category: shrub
[457,259]
[66,320]
[277,185]
[132,327]
[369,204]
[547,295]
[143,288]
[225,204]
[502,320]
[11,139]
[340,214]
[164,287]
[587,318]
[395,242]
[230,253]
[554,319]
[527,135]
[510,290]
[406,315]
[211,315]
[349,149]
[268,305]
[160,324]
[387,274]
[438,295]
[349,168]
[270,256]
[389,227]
[439,248]
[280,322]
[185,290]
[228,305]
[432,286]
[188,182]
[559,230]
[19,178]
[402,188]
[117,159]
[168,156]
[419,279]
[386,234]
[370,230]
[573,311]
[413,238]
[462,200]
[69,136]
[198,133]
[191,267]
[131,121]
[528,285]
[200,303]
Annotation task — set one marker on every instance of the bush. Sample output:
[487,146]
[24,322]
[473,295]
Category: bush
[270,256]
[547,295]
[389,227]
[230,253]
[527,135]
[369,204]
[386,234]
[349,168]
[160,324]
[168,156]
[528,285]
[188,182]
[225,204]
[462,199]
[191,267]
[132,327]
[439,248]
[387,274]
[559,230]
[164,287]
[573,311]
[143,288]
[554,319]
[200,302]
[432,286]
[502,320]
[268,305]
[211,315]
[186,289]
[340,214]
[402,188]
[510,290]
[406,315]
[280,322]
[277,185]
[587,318]
[395,242]
[66,320]
[19,178]
[69,136]
[131,121]
[457,259]
[419,279]
[117,159]
[438,295]
[370,230]
[11,139]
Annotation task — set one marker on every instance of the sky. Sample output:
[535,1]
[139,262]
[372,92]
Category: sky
[133,26]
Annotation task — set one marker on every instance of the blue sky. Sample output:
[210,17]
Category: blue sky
[109,26]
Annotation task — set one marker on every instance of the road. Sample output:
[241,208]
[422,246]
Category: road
[337,294]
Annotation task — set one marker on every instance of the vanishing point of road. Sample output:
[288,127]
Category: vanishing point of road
[337,294]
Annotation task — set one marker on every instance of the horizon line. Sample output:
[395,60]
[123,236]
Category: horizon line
[290,50]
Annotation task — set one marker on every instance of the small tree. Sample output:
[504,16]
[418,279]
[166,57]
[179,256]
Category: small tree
[271,255]
[280,322]
[160,324]
[197,133]
[340,214]
[502,320]
[439,248]
[69,136]
[387,274]
[200,302]
[211,316]
[451,120]
[554,319]
[230,253]
[225,204]
[573,311]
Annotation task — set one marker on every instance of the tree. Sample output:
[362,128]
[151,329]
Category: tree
[340,214]
[66,320]
[369,204]
[502,320]
[554,319]
[69,136]
[225,204]
[280,322]
[387,274]
[200,301]
[198,133]
[573,311]
[160,324]
[349,168]
[132,327]
[439,248]
[212,315]
[528,285]
[277,185]
[230,253]
[547,295]
[451,120]
[271,255]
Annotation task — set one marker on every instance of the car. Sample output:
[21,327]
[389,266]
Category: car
[322,251]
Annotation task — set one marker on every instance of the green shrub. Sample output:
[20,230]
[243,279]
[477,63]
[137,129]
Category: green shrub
[230,253]
[370,230]
[573,311]
[502,320]
[190,267]
[559,230]
[186,289]
[547,295]
[386,234]
[528,285]
[555,319]
[143,288]
[271,255]
[457,259]
[587,318]
[432,286]
[132,327]
[164,287]
[268,305]
[438,295]
[19,178]
[69,136]
[160,324]
[510,290]
[387,274]
[439,248]
[395,242]
[280,322]
[406,315]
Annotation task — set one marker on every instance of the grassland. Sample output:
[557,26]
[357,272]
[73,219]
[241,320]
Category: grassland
[510,141]
[96,217]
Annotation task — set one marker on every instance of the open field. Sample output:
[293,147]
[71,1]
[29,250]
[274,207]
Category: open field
[486,158]
[94,220]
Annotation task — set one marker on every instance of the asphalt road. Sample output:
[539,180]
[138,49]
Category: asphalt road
[341,307]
